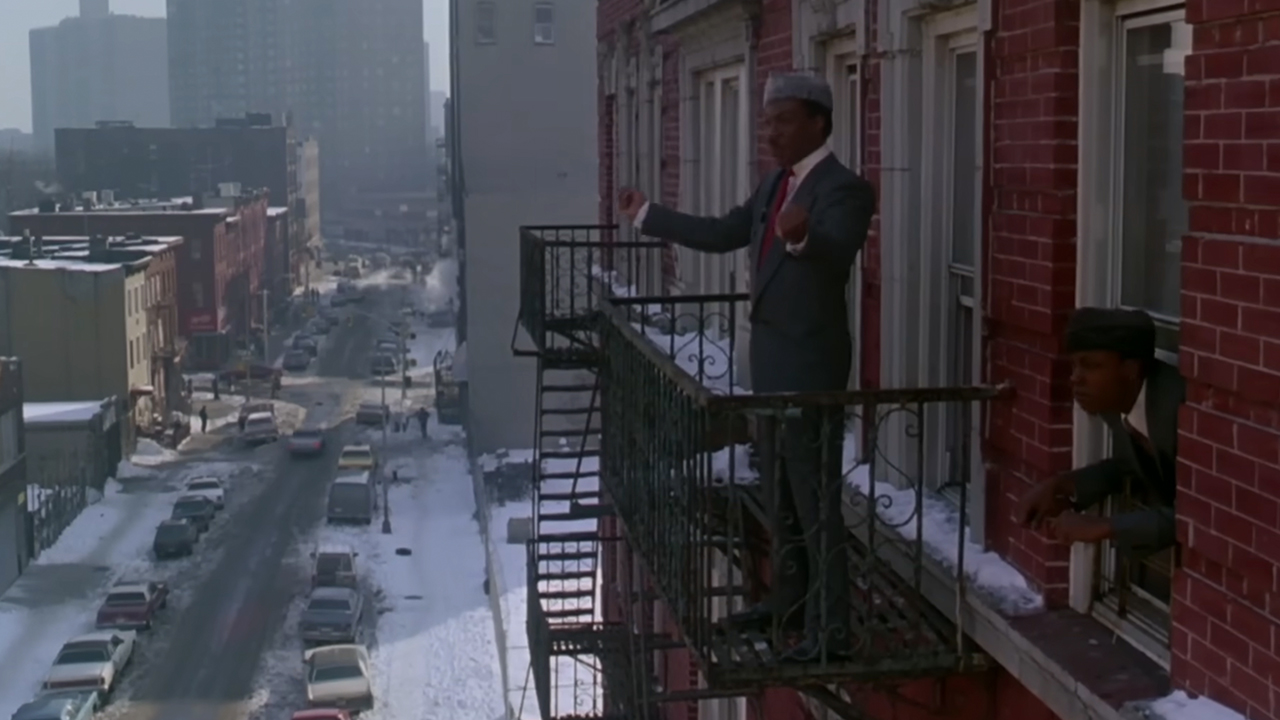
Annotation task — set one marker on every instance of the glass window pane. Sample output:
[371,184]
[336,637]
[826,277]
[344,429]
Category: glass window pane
[853,117]
[964,156]
[1153,213]
[729,101]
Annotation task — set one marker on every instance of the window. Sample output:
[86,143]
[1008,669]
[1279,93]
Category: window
[194,244]
[10,439]
[1134,217]
[722,149]
[544,24]
[951,175]
[846,143]
[197,294]
[486,23]
[131,357]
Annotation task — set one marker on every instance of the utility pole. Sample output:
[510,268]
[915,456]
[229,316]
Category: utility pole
[404,366]
[266,331]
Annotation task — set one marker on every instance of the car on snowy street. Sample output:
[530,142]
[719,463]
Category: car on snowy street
[254,408]
[60,705]
[306,441]
[332,615]
[322,714]
[91,662]
[174,538]
[195,509]
[306,343]
[259,429]
[339,676]
[132,605]
[352,498]
[372,413]
[357,457]
[296,360]
[210,487]
[334,566]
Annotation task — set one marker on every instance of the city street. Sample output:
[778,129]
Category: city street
[225,646]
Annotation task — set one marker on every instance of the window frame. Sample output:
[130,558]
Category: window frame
[1098,282]
[844,74]
[945,35]
[719,273]
[549,27]
[490,38]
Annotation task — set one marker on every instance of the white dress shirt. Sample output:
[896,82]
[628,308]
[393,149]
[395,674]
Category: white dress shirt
[798,173]
[1137,415]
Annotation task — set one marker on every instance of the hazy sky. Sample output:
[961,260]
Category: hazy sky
[19,16]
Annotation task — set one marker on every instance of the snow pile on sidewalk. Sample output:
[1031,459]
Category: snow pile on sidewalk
[434,654]
[1181,706]
[150,453]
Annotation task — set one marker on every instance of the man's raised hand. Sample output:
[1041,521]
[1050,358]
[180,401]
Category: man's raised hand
[630,202]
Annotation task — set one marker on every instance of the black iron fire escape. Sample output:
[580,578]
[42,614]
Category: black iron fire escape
[640,423]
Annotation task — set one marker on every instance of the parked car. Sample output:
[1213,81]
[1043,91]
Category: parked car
[388,347]
[210,487]
[253,408]
[195,509]
[306,343]
[91,662]
[306,441]
[383,364]
[132,605]
[357,457]
[296,360]
[260,428]
[372,413]
[175,538]
[334,566]
[339,676]
[318,326]
[352,499]
[61,705]
[332,616]
[322,714]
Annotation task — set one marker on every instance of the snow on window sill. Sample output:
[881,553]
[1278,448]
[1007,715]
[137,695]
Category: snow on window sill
[988,574]
[1181,706]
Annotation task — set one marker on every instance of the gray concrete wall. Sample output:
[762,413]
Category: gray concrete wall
[527,120]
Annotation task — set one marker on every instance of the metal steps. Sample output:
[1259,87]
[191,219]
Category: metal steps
[569,454]
[574,575]
[568,475]
[582,594]
[570,497]
[568,556]
[577,512]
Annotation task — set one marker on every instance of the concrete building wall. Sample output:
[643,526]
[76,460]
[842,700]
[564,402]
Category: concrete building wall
[137,340]
[70,328]
[542,170]
[84,70]
[224,59]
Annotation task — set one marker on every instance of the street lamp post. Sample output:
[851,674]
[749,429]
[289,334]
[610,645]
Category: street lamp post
[386,505]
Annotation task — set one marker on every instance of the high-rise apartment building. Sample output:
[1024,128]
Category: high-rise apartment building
[225,59]
[98,66]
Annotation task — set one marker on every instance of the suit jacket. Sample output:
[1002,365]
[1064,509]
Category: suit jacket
[1151,480]
[799,322]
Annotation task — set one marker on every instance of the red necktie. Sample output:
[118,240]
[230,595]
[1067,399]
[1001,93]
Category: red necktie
[766,242]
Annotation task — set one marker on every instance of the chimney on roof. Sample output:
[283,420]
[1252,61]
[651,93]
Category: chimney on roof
[98,248]
[95,8]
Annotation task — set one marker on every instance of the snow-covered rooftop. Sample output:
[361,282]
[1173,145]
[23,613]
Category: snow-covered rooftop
[34,413]
[136,207]
[1181,706]
[72,264]
[277,211]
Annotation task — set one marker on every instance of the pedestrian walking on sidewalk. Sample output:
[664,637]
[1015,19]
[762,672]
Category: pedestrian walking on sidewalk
[422,421]
[241,420]
[204,419]
[216,396]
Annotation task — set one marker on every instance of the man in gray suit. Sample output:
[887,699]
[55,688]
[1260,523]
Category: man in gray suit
[802,227]
[1115,376]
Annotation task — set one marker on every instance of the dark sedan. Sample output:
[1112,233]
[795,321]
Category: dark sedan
[175,538]
[195,509]
[332,616]
[306,441]
[296,360]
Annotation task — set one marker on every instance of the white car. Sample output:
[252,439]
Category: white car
[339,676]
[207,486]
[91,662]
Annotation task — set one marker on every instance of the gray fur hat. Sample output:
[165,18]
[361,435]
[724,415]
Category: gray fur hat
[798,86]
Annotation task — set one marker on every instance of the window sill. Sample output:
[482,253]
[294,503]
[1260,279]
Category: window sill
[1077,667]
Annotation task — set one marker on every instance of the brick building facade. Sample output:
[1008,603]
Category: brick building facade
[220,264]
[1086,152]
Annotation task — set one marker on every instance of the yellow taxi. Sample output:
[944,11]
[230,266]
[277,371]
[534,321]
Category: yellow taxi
[357,457]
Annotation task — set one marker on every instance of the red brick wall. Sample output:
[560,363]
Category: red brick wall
[1226,607]
[1030,268]
[870,78]
[773,55]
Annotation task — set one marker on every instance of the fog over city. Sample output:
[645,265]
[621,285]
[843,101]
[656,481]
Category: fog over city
[640,359]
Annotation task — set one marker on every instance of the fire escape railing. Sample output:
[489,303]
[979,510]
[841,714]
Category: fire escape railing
[679,441]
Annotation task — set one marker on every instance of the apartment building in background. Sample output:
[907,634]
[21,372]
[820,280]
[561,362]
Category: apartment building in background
[220,264]
[98,66]
[128,162]
[532,60]
[1030,158]
[225,59]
